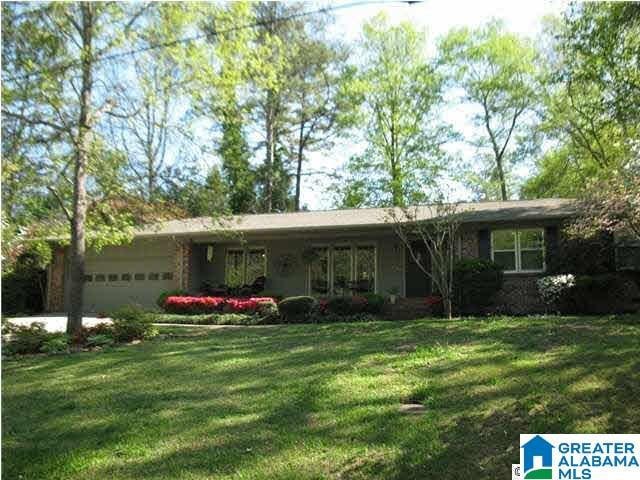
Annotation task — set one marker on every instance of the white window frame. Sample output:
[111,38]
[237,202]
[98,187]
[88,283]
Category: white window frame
[245,251]
[354,265]
[518,250]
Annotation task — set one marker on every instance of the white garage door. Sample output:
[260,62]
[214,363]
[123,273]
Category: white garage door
[114,279]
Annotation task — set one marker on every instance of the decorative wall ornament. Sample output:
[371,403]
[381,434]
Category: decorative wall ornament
[286,264]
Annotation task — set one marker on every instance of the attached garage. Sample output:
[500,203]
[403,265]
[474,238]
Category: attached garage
[130,274]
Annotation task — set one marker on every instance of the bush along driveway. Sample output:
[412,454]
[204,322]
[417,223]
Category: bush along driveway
[320,401]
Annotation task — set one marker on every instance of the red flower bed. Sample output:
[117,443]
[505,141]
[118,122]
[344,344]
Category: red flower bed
[195,305]
[433,300]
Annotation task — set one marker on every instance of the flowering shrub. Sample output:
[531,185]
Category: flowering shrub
[195,305]
[553,287]
[433,300]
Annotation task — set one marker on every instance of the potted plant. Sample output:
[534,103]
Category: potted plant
[393,295]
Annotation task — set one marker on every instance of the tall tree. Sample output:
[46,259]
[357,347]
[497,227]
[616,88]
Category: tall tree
[592,97]
[496,70]
[234,151]
[319,108]
[53,56]
[399,92]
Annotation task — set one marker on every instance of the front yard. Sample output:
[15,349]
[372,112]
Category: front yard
[320,401]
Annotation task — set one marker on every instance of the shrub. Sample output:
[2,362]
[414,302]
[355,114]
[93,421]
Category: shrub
[203,305]
[131,323]
[555,287]
[296,309]
[25,339]
[213,319]
[56,343]
[171,293]
[99,340]
[348,305]
[80,338]
[248,305]
[475,284]
[375,303]
[604,293]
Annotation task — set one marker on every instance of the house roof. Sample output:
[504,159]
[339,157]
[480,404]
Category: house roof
[512,210]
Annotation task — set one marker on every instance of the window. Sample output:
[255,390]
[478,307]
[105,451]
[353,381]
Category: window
[167,276]
[366,268]
[113,277]
[138,276]
[518,250]
[256,260]
[319,271]
[154,276]
[126,277]
[99,277]
[88,278]
[342,263]
[243,266]
[343,270]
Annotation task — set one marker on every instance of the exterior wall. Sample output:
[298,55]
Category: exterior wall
[519,295]
[469,243]
[56,281]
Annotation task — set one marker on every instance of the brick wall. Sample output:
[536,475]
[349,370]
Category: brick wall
[182,267]
[519,295]
[55,281]
[469,244]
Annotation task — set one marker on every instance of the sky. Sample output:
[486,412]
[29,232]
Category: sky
[436,17]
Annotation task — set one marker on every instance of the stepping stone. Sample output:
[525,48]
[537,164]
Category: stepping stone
[412,409]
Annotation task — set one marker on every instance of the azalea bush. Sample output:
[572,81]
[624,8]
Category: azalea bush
[554,287]
[200,305]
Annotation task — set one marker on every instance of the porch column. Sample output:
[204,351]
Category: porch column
[182,266]
[55,281]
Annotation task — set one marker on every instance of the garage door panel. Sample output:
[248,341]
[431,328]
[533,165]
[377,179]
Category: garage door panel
[111,283]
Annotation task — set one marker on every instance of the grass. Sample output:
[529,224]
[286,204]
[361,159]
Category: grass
[320,401]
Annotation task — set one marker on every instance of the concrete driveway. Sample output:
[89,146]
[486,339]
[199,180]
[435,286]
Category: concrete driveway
[56,322]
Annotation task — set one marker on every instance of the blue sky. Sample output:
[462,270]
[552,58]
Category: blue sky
[436,17]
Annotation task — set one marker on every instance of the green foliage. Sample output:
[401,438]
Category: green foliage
[131,323]
[398,91]
[25,339]
[296,309]
[99,340]
[602,293]
[583,256]
[497,72]
[55,343]
[475,284]
[23,288]
[351,305]
[211,319]
[592,92]
[375,303]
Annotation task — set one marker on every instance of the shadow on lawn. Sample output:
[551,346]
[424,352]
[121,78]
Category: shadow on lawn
[242,401]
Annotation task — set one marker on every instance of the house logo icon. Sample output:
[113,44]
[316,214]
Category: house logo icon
[538,462]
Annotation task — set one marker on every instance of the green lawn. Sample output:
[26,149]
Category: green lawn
[320,401]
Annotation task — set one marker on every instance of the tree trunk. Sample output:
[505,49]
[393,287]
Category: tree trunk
[299,169]
[501,179]
[74,319]
[270,154]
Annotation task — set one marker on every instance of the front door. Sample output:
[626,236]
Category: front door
[416,281]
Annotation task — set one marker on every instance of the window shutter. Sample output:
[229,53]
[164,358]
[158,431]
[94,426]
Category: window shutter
[484,244]
[551,247]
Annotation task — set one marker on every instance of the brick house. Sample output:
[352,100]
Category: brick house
[316,253]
